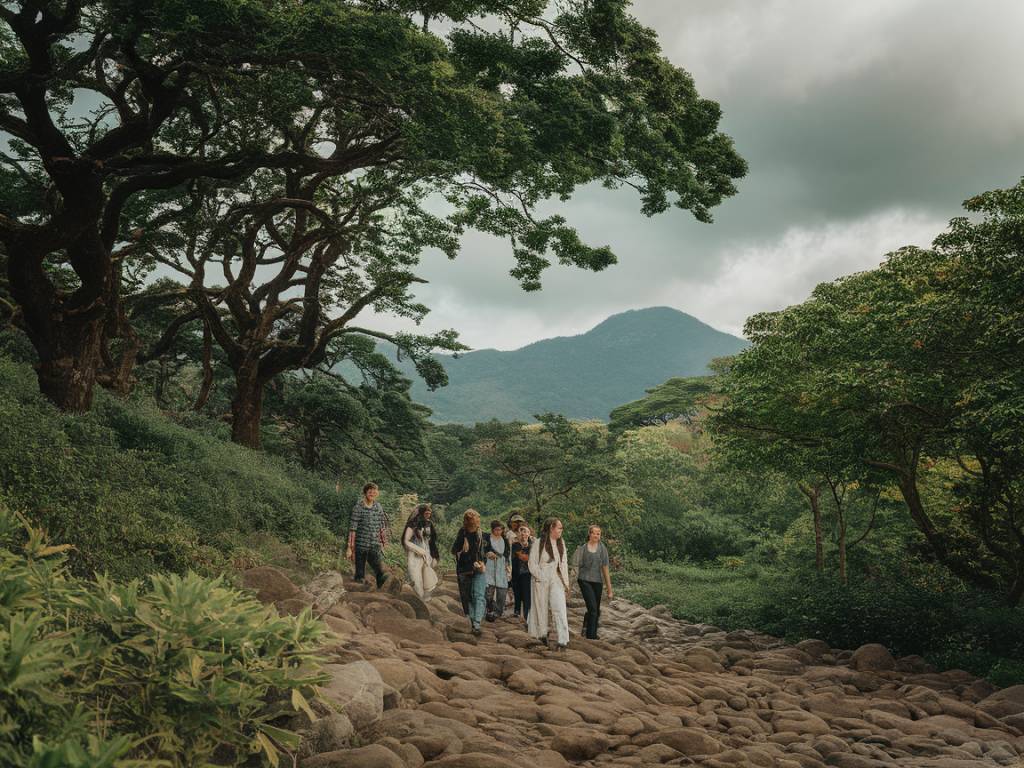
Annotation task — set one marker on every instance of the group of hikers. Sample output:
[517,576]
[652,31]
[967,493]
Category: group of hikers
[487,565]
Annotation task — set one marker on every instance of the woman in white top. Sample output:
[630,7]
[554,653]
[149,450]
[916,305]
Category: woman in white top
[420,541]
[549,567]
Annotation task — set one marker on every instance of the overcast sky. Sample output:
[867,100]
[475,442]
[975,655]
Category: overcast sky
[865,126]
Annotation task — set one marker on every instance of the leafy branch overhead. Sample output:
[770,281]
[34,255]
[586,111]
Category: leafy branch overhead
[293,162]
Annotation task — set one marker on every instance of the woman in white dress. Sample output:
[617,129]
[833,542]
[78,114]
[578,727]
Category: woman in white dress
[420,541]
[549,567]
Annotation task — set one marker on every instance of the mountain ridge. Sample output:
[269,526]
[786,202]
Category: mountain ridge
[582,376]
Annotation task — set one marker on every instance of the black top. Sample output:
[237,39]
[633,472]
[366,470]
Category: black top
[520,558]
[464,561]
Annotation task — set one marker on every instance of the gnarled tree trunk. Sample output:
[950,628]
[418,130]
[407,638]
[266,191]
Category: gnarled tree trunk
[247,406]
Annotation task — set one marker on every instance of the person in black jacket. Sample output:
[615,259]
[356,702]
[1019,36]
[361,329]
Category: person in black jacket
[521,572]
[469,568]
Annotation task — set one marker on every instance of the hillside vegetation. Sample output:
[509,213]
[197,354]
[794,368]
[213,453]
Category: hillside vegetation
[138,493]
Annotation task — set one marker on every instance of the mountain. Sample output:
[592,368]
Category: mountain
[582,377]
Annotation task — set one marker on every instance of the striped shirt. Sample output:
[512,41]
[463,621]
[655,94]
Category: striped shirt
[367,524]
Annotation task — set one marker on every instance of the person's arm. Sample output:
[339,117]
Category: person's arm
[354,521]
[606,570]
[410,547]
[460,539]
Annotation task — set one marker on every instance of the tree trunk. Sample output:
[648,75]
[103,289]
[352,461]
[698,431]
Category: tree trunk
[842,549]
[247,407]
[908,489]
[310,446]
[206,387]
[66,329]
[813,494]
[67,373]
[1016,593]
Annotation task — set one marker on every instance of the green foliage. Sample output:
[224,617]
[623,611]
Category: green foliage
[139,493]
[951,626]
[179,671]
[695,508]
[883,376]
[557,468]
[677,398]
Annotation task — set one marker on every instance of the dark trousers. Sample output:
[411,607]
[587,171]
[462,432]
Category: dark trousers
[521,589]
[591,591]
[369,557]
[466,590]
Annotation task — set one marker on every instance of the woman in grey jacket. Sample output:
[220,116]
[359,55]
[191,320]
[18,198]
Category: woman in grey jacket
[590,562]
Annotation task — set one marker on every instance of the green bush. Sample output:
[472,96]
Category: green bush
[183,671]
[139,493]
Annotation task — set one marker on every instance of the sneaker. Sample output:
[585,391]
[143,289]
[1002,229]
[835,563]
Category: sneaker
[562,646]
[476,630]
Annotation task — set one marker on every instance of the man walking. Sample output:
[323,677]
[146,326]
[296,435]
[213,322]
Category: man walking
[368,534]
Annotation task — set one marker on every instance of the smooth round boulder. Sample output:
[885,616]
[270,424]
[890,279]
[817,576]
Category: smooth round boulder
[269,583]
[872,657]
[373,756]
[579,743]
[357,690]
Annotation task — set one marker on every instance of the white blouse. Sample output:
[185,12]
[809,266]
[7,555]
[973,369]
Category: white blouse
[544,568]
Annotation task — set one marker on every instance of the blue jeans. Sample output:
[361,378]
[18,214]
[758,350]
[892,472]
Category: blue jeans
[477,602]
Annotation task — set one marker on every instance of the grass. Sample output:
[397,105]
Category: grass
[701,594]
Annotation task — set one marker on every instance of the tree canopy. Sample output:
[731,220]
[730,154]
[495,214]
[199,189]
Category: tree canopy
[293,161]
[887,373]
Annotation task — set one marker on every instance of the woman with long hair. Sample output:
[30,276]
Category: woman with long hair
[469,568]
[591,562]
[550,570]
[420,541]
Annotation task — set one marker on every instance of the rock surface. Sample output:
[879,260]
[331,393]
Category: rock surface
[419,690]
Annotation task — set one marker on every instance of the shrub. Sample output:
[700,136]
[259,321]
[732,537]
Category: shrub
[179,672]
[139,493]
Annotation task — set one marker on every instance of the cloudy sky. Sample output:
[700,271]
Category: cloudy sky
[864,124]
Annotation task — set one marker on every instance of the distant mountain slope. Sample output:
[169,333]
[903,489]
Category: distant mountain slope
[582,377]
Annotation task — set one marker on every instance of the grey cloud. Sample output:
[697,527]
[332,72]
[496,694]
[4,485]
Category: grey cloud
[865,125]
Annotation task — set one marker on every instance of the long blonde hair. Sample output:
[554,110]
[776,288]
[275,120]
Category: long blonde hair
[471,516]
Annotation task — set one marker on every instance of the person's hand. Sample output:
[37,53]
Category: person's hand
[491,556]
[350,554]
[433,563]
[611,593]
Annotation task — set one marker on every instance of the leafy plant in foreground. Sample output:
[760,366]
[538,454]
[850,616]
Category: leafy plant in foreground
[177,671]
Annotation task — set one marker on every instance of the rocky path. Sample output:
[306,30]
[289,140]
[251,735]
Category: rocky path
[410,687]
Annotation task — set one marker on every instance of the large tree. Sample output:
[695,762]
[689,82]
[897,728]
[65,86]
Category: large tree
[332,125]
[884,374]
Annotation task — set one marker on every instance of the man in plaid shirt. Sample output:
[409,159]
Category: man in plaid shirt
[368,534]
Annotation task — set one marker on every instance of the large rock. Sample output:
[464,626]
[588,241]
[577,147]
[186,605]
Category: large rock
[692,742]
[1004,703]
[327,734]
[270,584]
[872,658]
[327,590]
[373,756]
[357,690]
[579,743]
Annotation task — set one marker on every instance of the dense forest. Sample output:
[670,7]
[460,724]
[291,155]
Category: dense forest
[198,201]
